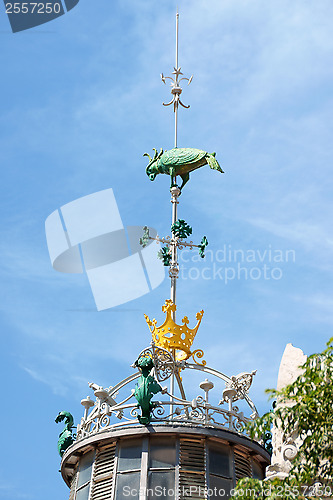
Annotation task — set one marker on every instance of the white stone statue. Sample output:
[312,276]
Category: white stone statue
[285,447]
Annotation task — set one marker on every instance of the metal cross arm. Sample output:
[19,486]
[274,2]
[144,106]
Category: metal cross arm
[175,242]
[146,237]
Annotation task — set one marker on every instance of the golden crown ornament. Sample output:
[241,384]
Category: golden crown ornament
[177,339]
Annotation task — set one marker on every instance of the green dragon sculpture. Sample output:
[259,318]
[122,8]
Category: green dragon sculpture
[179,161]
[66,437]
[146,387]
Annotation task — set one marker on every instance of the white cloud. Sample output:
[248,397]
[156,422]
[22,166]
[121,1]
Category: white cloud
[309,236]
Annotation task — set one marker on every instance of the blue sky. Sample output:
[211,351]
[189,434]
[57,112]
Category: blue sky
[81,103]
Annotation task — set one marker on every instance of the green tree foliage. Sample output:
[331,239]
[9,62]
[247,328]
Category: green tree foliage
[310,414]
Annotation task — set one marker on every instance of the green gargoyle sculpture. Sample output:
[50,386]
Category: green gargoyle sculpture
[179,161]
[146,387]
[66,437]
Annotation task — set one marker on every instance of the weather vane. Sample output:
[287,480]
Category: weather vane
[170,352]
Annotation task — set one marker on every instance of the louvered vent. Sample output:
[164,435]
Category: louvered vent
[192,470]
[73,485]
[242,466]
[103,473]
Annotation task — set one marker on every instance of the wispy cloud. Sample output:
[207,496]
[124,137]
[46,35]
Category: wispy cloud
[320,305]
[308,235]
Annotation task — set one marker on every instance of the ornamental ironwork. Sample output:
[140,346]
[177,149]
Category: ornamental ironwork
[165,407]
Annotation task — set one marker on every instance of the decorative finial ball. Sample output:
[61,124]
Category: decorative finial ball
[175,191]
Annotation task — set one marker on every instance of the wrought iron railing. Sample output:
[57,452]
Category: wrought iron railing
[105,413]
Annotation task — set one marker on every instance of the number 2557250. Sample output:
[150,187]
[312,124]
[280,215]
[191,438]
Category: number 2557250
[33,8]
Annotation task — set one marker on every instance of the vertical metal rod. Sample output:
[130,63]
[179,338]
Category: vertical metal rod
[176,126]
[177,25]
[176,102]
[172,385]
[230,410]
[175,192]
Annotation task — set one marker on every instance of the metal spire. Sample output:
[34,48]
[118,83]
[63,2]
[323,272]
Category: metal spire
[180,230]
[176,89]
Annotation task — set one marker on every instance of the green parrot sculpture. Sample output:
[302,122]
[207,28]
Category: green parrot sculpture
[179,161]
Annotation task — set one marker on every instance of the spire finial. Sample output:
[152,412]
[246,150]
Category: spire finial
[176,89]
